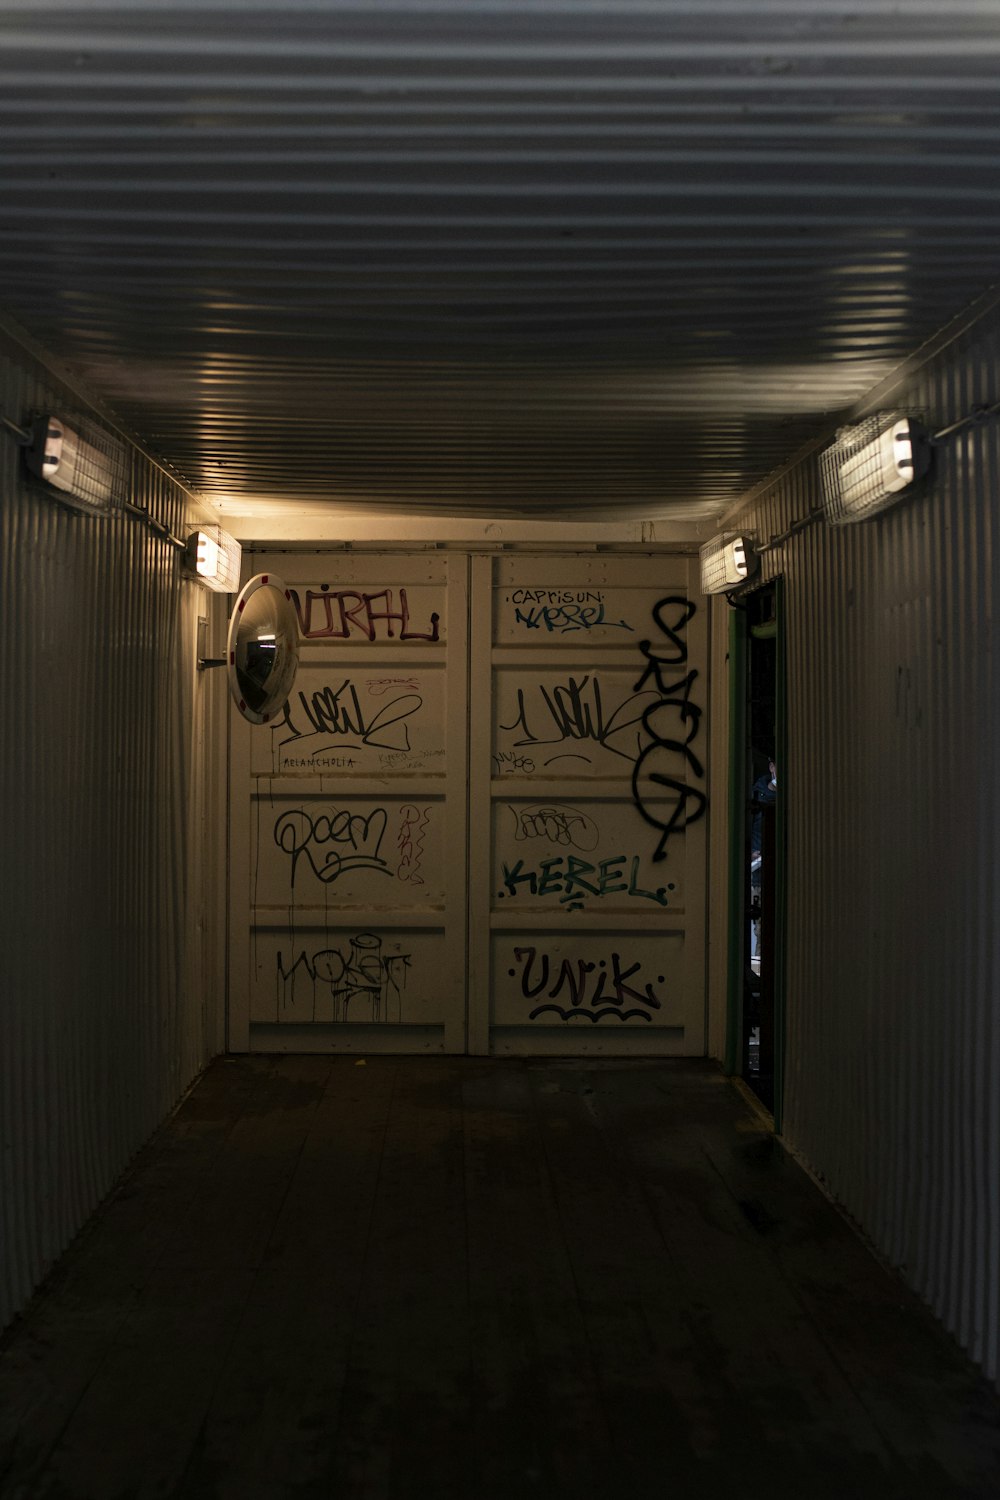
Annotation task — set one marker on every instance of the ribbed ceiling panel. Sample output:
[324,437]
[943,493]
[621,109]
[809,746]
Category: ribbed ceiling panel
[535,258]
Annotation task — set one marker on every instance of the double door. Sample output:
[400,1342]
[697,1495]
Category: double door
[480,823]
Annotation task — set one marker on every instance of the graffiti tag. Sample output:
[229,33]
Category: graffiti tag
[506,761]
[563,618]
[335,614]
[574,713]
[357,971]
[338,712]
[414,822]
[592,992]
[571,879]
[671,705]
[332,844]
[559,825]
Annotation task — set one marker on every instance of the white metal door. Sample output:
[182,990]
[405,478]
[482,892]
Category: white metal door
[349,834]
[588,757]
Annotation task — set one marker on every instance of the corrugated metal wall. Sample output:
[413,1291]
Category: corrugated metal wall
[112,911]
[893,1021]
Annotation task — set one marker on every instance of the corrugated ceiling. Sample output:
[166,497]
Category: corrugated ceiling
[541,259]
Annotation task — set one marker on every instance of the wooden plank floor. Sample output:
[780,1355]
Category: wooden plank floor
[479,1279]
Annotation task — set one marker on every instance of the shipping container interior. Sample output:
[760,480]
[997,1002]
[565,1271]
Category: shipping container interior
[475,330]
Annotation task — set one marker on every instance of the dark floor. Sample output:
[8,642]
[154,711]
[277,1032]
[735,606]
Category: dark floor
[481,1279]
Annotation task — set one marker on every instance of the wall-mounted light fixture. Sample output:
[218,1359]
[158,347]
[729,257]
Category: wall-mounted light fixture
[866,468]
[84,464]
[213,557]
[726,562]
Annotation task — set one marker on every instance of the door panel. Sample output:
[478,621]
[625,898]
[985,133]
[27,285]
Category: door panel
[588,749]
[349,889]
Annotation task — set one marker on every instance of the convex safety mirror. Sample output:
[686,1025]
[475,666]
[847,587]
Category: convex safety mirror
[263,648]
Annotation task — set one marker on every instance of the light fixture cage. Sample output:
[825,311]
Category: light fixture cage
[86,467]
[726,562]
[870,463]
[213,557]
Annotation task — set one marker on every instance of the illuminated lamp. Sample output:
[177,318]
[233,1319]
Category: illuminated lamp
[726,562]
[869,464]
[86,467]
[213,557]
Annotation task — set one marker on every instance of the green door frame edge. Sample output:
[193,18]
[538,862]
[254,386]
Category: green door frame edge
[780,855]
[736,937]
[737,792]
